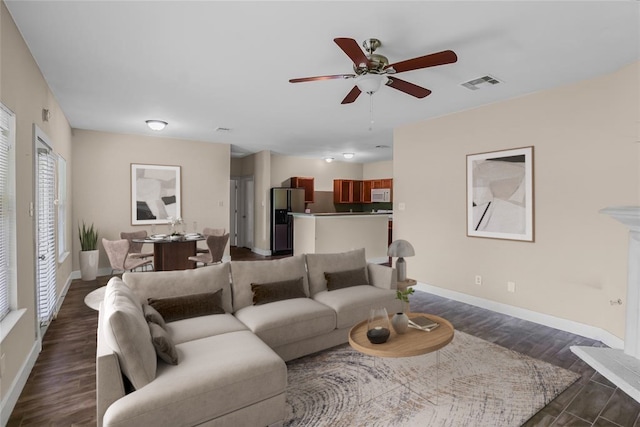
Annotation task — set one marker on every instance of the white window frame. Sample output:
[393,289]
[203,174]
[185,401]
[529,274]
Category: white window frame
[61,202]
[9,315]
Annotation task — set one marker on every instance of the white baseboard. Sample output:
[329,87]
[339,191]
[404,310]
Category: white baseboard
[63,294]
[259,251]
[566,325]
[13,393]
[104,271]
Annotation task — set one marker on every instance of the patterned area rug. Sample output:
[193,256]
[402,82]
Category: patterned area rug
[476,383]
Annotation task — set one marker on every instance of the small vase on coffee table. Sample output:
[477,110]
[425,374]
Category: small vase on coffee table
[400,323]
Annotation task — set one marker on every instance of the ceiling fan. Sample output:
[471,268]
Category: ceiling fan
[372,69]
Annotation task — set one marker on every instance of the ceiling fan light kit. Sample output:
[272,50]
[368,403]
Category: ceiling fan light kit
[372,70]
[156,124]
[371,83]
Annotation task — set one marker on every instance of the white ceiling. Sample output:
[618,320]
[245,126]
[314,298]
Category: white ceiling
[208,64]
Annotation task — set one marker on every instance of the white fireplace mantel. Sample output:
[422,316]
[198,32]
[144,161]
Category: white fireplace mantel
[622,367]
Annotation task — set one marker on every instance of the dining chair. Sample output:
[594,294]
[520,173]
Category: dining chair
[118,253]
[207,231]
[216,245]
[135,248]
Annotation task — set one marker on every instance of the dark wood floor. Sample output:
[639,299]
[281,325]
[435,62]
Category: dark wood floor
[61,388]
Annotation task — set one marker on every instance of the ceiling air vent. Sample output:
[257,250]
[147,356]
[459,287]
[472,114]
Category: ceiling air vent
[481,82]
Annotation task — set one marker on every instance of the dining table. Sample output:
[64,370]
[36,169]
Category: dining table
[172,252]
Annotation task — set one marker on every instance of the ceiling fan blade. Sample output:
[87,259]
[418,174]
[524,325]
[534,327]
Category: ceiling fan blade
[440,58]
[353,51]
[408,88]
[330,77]
[351,96]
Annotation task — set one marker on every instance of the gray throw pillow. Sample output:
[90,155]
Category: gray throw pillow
[152,315]
[344,279]
[264,293]
[165,349]
[187,306]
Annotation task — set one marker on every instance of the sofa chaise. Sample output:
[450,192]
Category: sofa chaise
[221,362]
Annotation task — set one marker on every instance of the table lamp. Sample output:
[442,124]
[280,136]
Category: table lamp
[401,248]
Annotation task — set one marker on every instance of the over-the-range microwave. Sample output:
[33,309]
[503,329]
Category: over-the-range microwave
[381,195]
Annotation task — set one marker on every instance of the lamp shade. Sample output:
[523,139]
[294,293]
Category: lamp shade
[400,248]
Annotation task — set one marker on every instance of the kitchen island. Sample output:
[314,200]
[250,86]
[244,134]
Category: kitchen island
[341,232]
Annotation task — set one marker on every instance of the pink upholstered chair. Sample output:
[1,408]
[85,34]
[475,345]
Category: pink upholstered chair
[135,248]
[118,253]
[216,245]
[210,232]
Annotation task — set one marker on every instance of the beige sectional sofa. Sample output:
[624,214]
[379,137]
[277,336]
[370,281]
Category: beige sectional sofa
[231,367]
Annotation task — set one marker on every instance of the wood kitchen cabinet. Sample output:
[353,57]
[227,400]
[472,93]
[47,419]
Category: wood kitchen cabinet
[367,185]
[370,184]
[356,191]
[382,183]
[307,184]
[348,191]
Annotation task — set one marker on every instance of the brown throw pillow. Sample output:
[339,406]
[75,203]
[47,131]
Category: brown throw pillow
[264,293]
[187,306]
[344,279]
[152,315]
[163,344]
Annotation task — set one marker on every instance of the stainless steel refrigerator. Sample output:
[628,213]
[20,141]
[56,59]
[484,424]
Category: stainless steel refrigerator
[283,201]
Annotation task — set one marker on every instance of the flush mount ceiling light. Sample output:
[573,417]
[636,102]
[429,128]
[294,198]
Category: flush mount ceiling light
[348,155]
[156,124]
[328,159]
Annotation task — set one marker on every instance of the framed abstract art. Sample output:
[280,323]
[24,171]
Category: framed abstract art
[155,194]
[500,198]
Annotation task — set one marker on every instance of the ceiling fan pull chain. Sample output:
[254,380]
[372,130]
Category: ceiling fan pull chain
[370,112]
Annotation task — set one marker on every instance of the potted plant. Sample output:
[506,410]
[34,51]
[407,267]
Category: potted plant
[88,252]
[400,320]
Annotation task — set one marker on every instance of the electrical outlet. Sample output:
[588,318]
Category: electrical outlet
[478,280]
[401,206]
[511,286]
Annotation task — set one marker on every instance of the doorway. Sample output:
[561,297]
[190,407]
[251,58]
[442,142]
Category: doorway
[45,231]
[241,212]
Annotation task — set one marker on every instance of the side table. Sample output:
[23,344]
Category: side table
[95,297]
[406,283]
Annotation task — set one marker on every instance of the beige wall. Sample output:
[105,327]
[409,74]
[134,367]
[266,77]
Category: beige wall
[586,158]
[102,176]
[378,170]
[242,166]
[284,167]
[25,92]
[262,184]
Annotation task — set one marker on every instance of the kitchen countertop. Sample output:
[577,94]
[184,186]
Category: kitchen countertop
[300,214]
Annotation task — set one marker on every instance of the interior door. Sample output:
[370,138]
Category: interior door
[243,214]
[233,213]
[248,201]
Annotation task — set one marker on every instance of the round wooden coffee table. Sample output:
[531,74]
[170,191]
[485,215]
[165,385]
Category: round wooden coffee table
[412,343]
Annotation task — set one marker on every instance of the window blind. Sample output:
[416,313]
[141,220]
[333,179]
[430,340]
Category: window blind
[62,207]
[5,213]
[46,236]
